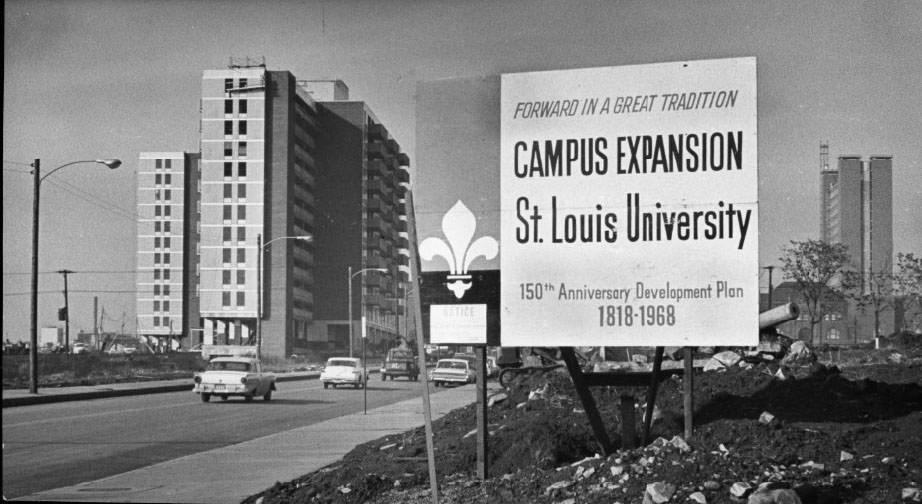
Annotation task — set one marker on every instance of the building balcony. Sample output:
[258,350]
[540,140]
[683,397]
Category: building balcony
[400,226]
[375,300]
[373,242]
[401,191]
[375,262]
[376,150]
[376,224]
[403,175]
[403,260]
[376,280]
[403,159]
[403,243]
[378,187]
[400,208]
[403,276]
[392,146]
[377,132]
[378,168]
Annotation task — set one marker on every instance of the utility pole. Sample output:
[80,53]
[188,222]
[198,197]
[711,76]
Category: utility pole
[66,272]
[96,322]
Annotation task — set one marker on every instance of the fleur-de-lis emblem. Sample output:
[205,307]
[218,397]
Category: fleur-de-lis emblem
[458,225]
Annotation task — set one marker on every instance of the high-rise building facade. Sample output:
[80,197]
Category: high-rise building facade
[857,210]
[167,302]
[315,181]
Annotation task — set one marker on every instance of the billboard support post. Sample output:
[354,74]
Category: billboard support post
[482,433]
[651,393]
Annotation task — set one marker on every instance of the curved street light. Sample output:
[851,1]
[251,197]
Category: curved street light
[261,248]
[37,183]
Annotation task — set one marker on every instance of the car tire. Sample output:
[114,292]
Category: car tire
[268,396]
[223,397]
[248,397]
[384,377]
[206,397]
[326,385]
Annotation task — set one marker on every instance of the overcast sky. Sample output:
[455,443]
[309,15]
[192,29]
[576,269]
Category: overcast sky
[90,79]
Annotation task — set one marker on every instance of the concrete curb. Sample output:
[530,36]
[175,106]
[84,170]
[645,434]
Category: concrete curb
[140,389]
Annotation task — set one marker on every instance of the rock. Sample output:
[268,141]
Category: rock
[616,470]
[387,446]
[698,497]
[660,492]
[740,489]
[844,455]
[589,472]
[780,375]
[498,398]
[680,444]
[912,494]
[571,500]
[887,460]
[896,358]
[766,418]
[344,490]
[813,465]
[711,485]
[557,486]
[714,365]
[639,358]
[259,500]
[776,496]
[799,353]
[727,358]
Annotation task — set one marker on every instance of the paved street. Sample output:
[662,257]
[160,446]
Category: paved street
[57,445]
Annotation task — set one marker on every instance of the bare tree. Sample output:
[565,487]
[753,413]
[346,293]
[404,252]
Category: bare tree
[818,268]
[872,290]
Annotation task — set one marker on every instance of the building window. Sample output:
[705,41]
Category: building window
[166,211]
[241,277]
[227,233]
[242,106]
[156,274]
[156,226]
[166,227]
[228,169]
[156,306]
[225,299]
[167,195]
[241,212]
[241,234]
[242,149]
[228,84]
[166,290]
[241,256]
[228,212]
[166,258]
[166,242]
[228,106]
[242,191]
[228,149]
[833,334]
[242,128]
[156,289]
[166,274]
[156,321]
[156,242]
[226,277]
[228,191]
[241,298]
[168,164]
[156,210]
[166,305]
[158,179]
[228,127]
[243,83]
[242,169]
[226,255]
[156,258]
[158,164]
[167,179]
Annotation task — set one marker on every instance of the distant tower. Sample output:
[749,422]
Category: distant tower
[857,209]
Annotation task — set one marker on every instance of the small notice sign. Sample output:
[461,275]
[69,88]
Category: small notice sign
[461,324]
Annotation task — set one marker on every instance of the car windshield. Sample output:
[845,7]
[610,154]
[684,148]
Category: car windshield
[341,362]
[452,365]
[400,354]
[229,366]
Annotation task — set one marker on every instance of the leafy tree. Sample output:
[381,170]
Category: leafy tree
[818,268]
[907,281]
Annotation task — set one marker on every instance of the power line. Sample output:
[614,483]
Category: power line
[109,207]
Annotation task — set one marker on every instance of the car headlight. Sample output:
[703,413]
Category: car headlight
[243,380]
[197,379]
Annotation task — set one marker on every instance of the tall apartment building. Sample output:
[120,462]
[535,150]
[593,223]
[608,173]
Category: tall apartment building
[283,159]
[167,304]
[361,223]
[857,209]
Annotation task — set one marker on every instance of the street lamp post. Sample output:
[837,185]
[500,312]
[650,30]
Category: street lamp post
[37,183]
[351,276]
[260,249]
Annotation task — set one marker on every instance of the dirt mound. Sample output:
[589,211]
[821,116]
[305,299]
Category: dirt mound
[833,438]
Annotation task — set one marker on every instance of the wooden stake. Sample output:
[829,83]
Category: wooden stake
[651,393]
[687,392]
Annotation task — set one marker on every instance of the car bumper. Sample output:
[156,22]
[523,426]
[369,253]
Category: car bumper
[449,378]
[224,389]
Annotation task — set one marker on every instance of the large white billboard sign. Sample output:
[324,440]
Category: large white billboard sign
[630,205]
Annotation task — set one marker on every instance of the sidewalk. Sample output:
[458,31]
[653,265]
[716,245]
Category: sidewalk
[233,473]
[22,397]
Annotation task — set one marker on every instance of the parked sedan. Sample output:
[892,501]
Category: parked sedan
[344,371]
[457,371]
[234,376]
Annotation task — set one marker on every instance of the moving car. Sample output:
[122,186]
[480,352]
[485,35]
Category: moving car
[234,376]
[400,362]
[344,371]
[457,371]
[80,348]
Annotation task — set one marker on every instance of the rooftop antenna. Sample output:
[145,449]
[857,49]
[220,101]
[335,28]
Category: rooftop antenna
[824,155]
